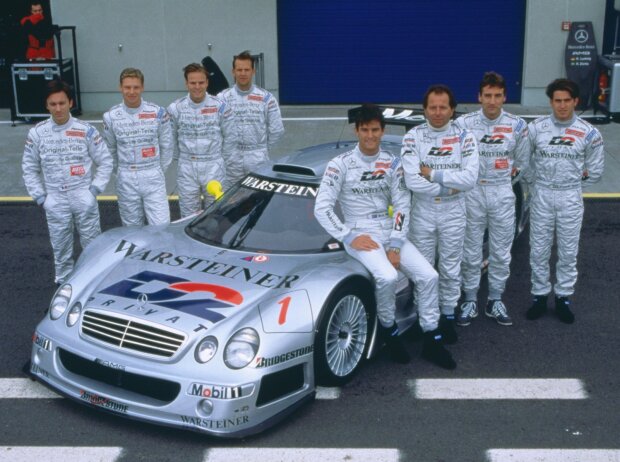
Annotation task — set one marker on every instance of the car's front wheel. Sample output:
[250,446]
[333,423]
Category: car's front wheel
[344,335]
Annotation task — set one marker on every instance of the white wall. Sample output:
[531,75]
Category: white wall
[545,42]
[160,37]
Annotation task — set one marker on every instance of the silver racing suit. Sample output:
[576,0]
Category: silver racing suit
[502,145]
[258,125]
[438,212]
[365,186]
[58,169]
[203,135]
[565,156]
[140,141]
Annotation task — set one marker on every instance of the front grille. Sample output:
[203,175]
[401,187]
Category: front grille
[159,389]
[130,334]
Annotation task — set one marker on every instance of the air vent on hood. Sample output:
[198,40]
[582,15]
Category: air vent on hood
[294,169]
[131,334]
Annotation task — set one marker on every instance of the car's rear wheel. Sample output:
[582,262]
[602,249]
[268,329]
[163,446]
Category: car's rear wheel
[344,335]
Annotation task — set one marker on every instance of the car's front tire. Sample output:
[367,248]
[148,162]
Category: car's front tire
[342,341]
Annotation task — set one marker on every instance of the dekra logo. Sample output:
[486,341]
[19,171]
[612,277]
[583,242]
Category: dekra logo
[562,141]
[440,151]
[373,176]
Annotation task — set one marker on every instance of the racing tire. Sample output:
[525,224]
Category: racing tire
[344,334]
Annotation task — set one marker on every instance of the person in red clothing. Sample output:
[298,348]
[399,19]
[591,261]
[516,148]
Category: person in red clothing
[39,32]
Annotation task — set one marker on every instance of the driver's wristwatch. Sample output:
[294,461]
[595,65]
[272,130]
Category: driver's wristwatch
[396,250]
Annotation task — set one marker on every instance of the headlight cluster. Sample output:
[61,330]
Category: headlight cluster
[238,353]
[60,302]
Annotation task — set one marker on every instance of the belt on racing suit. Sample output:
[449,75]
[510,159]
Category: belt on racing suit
[139,167]
[559,186]
[372,219]
[66,187]
[251,147]
[185,155]
[439,199]
[494,181]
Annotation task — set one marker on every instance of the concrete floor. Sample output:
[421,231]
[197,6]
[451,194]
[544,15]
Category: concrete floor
[305,126]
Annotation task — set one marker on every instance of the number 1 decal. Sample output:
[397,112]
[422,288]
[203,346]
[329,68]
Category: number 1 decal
[285,302]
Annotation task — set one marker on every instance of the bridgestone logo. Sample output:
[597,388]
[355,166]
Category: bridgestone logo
[266,362]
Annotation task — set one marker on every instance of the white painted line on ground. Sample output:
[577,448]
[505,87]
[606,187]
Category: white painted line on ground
[327,393]
[59,453]
[24,388]
[553,455]
[497,389]
[301,455]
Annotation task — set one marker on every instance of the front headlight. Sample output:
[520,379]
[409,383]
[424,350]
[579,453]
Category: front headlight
[205,350]
[74,314]
[60,302]
[241,348]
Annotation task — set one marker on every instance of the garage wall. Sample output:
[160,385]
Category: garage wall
[545,41]
[391,51]
[161,37]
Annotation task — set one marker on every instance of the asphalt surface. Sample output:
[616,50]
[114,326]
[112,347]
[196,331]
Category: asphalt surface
[377,409]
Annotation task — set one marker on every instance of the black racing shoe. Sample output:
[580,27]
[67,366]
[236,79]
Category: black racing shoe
[538,308]
[446,327]
[394,344]
[434,351]
[562,309]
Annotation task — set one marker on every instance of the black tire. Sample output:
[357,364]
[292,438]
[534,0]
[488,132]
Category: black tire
[342,341]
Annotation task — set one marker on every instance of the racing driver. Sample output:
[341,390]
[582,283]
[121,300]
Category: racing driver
[258,121]
[139,137]
[203,132]
[504,149]
[440,160]
[567,152]
[365,181]
[58,172]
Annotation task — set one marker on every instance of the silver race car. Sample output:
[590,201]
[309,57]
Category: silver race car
[223,323]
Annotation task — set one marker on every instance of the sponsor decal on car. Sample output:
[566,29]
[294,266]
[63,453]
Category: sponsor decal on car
[267,362]
[38,371]
[103,402]
[177,294]
[110,364]
[214,391]
[210,424]
[256,258]
[41,341]
[277,187]
[225,270]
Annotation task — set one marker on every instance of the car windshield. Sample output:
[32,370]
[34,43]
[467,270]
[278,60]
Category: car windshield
[264,215]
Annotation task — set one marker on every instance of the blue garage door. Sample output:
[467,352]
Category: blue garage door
[349,51]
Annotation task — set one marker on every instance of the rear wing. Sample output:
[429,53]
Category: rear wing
[405,117]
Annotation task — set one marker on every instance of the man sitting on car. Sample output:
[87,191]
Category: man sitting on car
[365,181]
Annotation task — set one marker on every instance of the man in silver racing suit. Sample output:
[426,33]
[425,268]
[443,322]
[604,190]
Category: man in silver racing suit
[365,181]
[504,149]
[258,122]
[139,137]
[203,135]
[440,161]
[567,152]
[58,164]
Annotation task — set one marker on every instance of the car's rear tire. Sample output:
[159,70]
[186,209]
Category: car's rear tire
[342,341]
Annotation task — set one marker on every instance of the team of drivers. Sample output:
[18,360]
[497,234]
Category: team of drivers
[452,182]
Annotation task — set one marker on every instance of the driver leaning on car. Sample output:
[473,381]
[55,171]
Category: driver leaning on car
[365,181]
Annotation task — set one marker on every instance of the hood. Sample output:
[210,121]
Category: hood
[174,280]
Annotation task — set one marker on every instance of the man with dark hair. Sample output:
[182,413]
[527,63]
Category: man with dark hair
[58,163]
[139,137]
[504,149]
[39,33]
[440,160]
[365,181]
[258,121]
[567,152]
[203,136]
